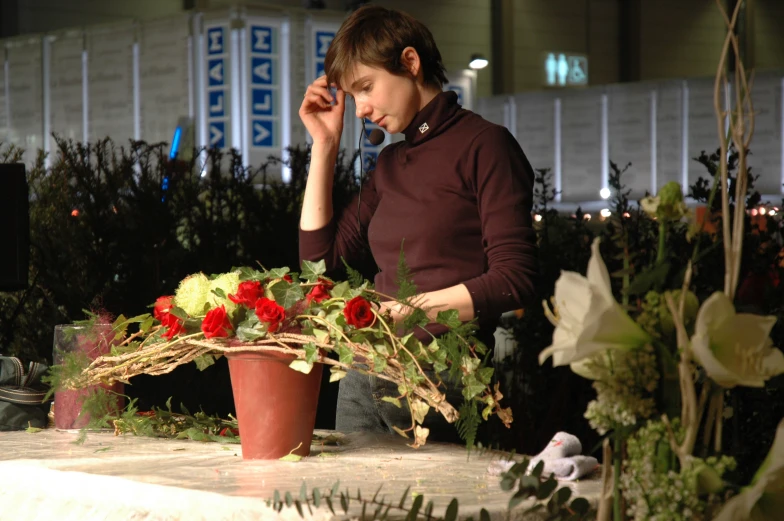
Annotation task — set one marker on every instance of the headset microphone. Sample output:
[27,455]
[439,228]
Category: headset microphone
[376,137]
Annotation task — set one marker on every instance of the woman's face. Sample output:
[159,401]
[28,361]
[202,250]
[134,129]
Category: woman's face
[388,100]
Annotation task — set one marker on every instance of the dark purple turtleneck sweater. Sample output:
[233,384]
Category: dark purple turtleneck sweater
[457,194]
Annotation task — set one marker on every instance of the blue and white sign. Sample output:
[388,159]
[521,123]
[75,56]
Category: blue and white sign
[217,104]
[263,89]
[261,40]
[217,134]
[218,85]
[216,73]
[215,41]
[262,133]
[261,71]
[322,41]
[261,102]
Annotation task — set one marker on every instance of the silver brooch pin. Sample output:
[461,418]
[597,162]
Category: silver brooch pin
[423,128]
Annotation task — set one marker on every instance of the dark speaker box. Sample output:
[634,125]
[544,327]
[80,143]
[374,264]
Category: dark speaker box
[14,228]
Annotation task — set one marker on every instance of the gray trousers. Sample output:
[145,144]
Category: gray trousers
[360,408]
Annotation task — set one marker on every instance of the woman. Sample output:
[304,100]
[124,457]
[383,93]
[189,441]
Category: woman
[456,195]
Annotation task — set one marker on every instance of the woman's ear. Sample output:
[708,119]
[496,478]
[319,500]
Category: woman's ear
[409,58]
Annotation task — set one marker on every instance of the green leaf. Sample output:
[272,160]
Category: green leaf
[415,506]
[580,505]
[302,366]
[562,495]
[291,457]
[379,364]
[345,354]
[546,488]
[219,293]
[340,290]
[250,334]
[393,401]
[336,374]
[321,335]
[278,273]
[204,361]
[484,375]
[178,312]
[355,278]
[451,510]
[312,270]
[404,496]
[484,515]
[404,278]
[32,430]
[287,294]
[147,324]
[449,318]
[472,387]
[303,493]
[316,497]
[311,352]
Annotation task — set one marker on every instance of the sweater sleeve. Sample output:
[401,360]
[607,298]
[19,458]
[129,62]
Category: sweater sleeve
[503,180]
[345,235]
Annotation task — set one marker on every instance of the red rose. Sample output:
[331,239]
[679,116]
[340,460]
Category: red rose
[174,326]
[270,312]
[162,307]
[320,292]
[216,324]
[248,293]
[227,431]
[358,312]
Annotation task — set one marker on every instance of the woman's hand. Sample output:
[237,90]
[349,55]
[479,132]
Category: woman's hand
[322,119]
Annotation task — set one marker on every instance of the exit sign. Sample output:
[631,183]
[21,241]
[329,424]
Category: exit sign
[565,70]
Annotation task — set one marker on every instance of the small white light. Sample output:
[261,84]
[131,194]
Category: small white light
[604,193]
[763,210]
[754,212]
[772,213]
[587,217]
[605,212]
[478,62]
[627,215]
[537,217]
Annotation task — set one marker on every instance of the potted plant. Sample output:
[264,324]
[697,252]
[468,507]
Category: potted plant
[275,326]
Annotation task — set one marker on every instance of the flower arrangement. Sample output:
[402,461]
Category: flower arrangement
[663,360]
[306,316]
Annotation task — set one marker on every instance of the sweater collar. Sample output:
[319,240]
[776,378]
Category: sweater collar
[428,121]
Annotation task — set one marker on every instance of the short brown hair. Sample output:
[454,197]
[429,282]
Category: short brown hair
[376,36]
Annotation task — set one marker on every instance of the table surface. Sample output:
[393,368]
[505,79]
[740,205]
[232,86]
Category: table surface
[128,477]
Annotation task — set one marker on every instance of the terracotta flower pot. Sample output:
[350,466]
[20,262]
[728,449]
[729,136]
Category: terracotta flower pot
[276,405]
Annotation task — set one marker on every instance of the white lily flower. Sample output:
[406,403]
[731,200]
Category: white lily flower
[587,318]
[735,348]
[763,499]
